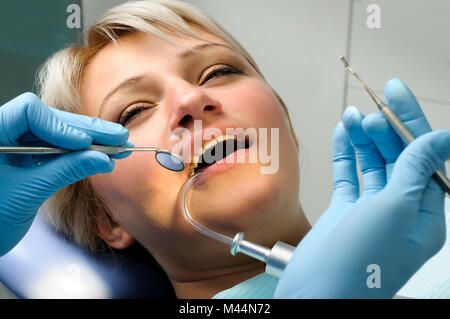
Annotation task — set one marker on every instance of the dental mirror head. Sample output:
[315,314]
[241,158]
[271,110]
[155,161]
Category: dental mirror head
[169,160]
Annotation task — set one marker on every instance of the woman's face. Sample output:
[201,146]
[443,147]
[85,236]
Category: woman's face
[154,88]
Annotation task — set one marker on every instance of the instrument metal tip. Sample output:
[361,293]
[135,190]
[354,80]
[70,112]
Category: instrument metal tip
[342,58]
[368,90]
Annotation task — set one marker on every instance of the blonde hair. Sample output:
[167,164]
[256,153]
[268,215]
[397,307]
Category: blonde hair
[78,209]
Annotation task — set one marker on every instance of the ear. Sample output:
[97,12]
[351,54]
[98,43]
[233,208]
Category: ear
[115,236]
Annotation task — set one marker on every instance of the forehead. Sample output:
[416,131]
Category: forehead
[141,45]
[134,54]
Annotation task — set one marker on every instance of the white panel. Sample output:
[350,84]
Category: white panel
[413,44]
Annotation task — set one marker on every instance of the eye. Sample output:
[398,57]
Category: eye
[133,112]
[218,71]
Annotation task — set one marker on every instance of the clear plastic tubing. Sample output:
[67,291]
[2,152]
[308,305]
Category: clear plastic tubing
[210,233]
[276,258]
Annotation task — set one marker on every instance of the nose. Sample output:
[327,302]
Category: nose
[189,103]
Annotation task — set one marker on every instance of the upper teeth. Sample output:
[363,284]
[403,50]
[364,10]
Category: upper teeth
[206,146]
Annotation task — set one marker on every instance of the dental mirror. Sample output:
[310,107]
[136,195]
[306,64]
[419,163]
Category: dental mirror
[169,160]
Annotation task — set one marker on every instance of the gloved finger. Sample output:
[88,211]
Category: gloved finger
[27,113]
[370,160]
[416,164]
[345,178]
[404,104]
[101,131]
[388,142]
[70,168]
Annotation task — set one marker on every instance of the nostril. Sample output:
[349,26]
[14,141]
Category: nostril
[185,119]
[209,108]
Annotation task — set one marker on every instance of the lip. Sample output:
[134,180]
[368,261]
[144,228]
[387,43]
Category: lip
[224,164]
[198,140]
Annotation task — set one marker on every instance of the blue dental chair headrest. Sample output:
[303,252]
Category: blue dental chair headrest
[45,264]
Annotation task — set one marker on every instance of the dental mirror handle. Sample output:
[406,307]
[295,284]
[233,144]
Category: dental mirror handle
[276,259]
[41,150]
[165,158]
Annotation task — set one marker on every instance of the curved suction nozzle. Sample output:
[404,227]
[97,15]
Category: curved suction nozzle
[276,258]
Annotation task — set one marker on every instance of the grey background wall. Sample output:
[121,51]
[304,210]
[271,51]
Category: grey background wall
[297,44]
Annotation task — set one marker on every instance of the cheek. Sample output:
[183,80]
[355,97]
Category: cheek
[137,188]
[132,174]
[258,105]
[264,111]
[123,185]
[256,102]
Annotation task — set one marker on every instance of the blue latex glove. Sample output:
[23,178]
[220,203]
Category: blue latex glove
[24,185]
[398,221]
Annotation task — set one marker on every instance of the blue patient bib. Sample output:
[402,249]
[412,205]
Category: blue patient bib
[261,286]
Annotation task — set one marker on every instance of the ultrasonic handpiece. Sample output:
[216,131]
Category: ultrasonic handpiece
[276,258]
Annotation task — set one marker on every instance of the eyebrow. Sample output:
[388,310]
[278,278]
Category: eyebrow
[183,55]
[195,49]
[123,85]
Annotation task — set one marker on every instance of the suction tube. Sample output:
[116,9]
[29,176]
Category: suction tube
[276,259]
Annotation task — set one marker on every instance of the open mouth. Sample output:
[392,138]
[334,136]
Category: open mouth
[216,150]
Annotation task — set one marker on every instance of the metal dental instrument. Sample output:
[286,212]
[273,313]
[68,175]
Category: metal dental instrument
[276,258]
[163,157]
[397,125]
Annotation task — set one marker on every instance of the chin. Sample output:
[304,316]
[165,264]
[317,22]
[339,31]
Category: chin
[237,198]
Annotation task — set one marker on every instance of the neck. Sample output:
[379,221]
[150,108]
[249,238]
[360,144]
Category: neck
[210,286]
[207,288]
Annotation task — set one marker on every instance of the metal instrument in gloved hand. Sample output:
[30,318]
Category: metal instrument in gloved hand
[395,225]
[25,185]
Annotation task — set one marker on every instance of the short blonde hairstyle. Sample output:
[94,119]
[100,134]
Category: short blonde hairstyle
[78,209]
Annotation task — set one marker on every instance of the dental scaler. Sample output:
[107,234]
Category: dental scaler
[439,176]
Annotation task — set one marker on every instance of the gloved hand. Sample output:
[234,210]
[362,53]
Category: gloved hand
[24,185]
[397,223]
